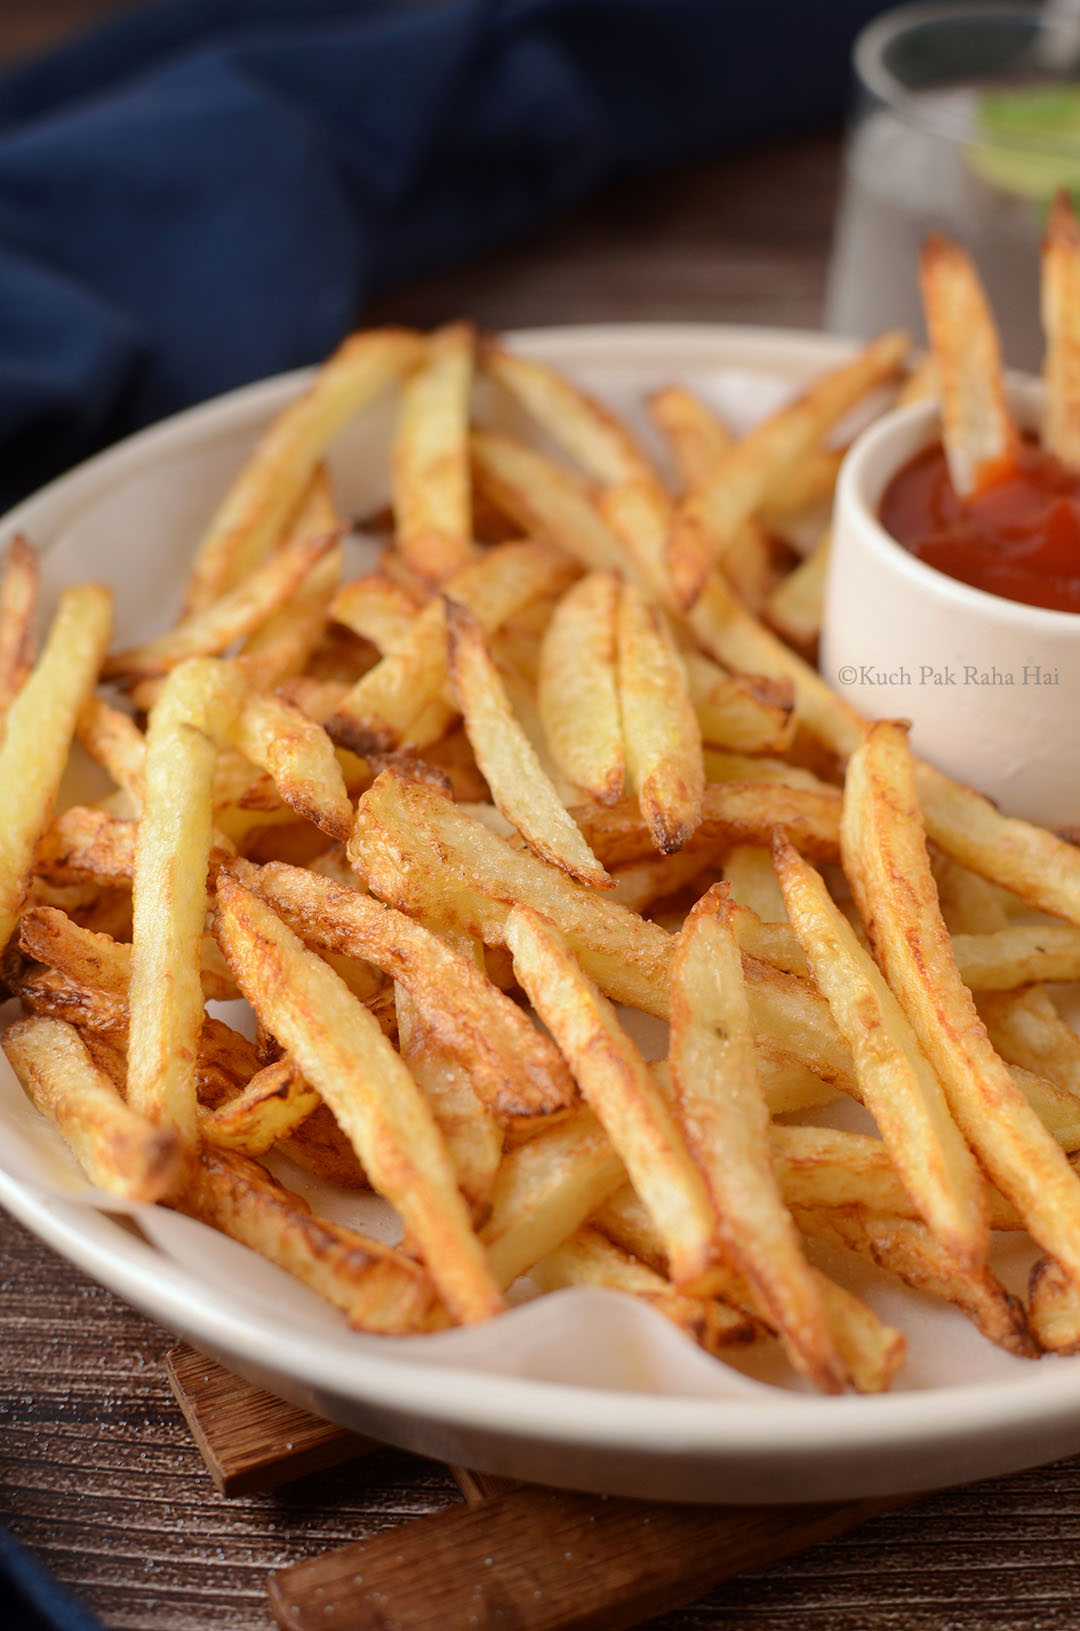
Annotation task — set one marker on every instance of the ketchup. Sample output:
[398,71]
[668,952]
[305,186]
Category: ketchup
[1018,536]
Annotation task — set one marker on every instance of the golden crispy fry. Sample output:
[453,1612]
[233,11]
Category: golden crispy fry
[118,1149]
[232,617]
[272,1105]
[376,1287]
[1021,954]
[805,485]
[1055,1106]
[513,1067]
[909,1251]
[1027,1030]
[749,870]
[821,1167]
[660,729]
[588,432]
[321,1148]
[114,741]
[401,702]
[509,765]
[1055,1307]
[1061,323]
[744,713]
[774,943]
[546,1189]
[730,634]
[430,461]
[896,1081]
[732,813]
[227,1061]
[281,646]
[343,1054]
[794,607]
[870,1351]
[885,860]
[40,726]
[49,936]
[172,857]
[472,1136]
[789,1086]
[545,499]
[300,757]
[641,884]
[638,515]
[433,859]
[18,620]
[55,995]
[1042,869]
[590,1259]
[615,1081]
[377,608]
[710,520]
[577,691]
[723,1114]
[792,1024]
[259,502]
[977,429]
[697,437]
[921,382]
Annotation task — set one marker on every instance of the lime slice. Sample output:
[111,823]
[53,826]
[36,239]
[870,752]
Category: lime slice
[1032,144]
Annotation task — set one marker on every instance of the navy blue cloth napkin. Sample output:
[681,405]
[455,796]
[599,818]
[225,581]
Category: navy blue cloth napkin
[207,191]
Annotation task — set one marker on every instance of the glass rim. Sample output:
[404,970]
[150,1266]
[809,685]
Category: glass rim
[873,77]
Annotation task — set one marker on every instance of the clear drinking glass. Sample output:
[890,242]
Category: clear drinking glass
[967,122]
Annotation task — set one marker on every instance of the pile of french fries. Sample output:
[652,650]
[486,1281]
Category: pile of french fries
[563,753]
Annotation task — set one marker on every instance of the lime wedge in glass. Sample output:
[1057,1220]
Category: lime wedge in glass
[1031,144]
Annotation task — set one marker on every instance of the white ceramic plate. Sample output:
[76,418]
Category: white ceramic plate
[582,1389]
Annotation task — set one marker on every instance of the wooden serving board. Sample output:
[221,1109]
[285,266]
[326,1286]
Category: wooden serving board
[515,1557]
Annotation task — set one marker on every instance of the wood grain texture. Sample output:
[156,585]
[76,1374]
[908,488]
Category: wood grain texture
[545,1560]
[251,1440]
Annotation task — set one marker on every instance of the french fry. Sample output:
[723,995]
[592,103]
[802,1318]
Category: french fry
[578,693]
[171,861]
[885,860]
[794,607]
[1054,1307]
[235,615]
[805,485]
[320,1147]
[977,429]
[400,702]
[730,634]
[722,1111]
[897,1083]
[590,1259]
[585,430]
[258,504]
[921,382]
[697,438]
[513,1067]
[507,761]
[49,936]
[342,1052]
[40,726]
[18,620]
[615,1081]
[282,645]
[270,1107]
[638,516]
[376,608]
[299,755]
[114,741]
[118,1149]
[640,884]
[433,859]
[910,1252]
[1042,869]
[430,460]
[749,870]
[732,813]
[546,500]
[1027,1030]
[709,521]
[1021,954]
[660,729]
[1061,324]
[545,1190]
[743,713]
[376,1287]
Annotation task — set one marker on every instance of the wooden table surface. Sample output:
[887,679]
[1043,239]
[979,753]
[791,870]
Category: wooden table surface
[97,1471]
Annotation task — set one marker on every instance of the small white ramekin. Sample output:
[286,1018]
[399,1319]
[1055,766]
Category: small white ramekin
[991,687]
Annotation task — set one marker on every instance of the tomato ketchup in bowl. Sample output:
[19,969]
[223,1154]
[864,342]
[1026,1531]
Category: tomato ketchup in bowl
[960,613]
[1017,535]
